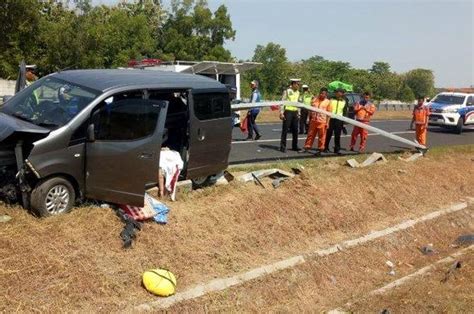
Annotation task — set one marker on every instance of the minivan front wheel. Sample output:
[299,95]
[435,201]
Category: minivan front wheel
[53,196]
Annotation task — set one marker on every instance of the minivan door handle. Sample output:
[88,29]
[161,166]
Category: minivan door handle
[146,155]
[200,135]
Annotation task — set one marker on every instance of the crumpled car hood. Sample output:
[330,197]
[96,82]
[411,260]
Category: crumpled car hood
[10,125]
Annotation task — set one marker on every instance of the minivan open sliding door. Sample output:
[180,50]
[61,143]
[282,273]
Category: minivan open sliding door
[210,132]
[123,158]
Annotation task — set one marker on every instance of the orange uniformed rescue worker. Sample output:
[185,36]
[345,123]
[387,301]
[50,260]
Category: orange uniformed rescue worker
[420,119]
[363,110]
[318,122]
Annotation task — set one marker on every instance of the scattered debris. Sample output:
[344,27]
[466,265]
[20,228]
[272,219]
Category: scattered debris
[104,205]
[258,180]
[427,249]
[353,163]
[412,157]
[132,215]
[385,311]
[402,171]
[466,239]
[372,159]
[5,218]
[391,272]
[228,176]
[276,183]
[128,233]
[451,270]
[298,170]
[272,173]
[390,264]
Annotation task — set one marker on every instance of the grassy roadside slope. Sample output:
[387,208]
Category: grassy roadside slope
[75,262]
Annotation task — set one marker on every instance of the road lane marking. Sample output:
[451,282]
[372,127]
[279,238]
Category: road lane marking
[304,138]
[225,283]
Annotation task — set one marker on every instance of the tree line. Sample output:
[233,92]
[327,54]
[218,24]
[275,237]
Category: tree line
[318,72]
[59,34]
[68,34]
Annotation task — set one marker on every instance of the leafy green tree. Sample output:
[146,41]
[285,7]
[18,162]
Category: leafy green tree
[362,80]
[380,67]
[421,82]
[193,32]
[18,34]
[273,75]
[406,94]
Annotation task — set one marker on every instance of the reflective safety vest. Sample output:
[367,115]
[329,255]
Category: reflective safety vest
[337,106]
[35,92]
[363,113]
[319,118]
[307,97]
[420,114]
[292,96]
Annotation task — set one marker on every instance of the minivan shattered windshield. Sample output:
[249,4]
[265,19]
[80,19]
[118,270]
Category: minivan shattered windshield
[49,102]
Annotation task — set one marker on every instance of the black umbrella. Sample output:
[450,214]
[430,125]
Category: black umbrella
[21,80]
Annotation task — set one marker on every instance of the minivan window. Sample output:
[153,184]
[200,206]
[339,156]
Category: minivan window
[211,106]
[49,102]
[125,120]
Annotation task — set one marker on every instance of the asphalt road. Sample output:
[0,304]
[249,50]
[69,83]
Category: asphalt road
[267,148]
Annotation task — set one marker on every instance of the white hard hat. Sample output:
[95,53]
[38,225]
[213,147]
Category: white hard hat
[305,86]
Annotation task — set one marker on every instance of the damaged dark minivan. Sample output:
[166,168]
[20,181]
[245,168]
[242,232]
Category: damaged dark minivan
[98,134]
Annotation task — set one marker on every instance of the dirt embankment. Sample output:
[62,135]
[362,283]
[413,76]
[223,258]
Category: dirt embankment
[75,262]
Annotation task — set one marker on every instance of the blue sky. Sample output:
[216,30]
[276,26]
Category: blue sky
[436,34]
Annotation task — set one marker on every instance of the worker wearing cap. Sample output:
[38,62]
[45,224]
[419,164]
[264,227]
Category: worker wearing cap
[253,113]
[318,122]
[338,107]
[363,111]
[289,115]
[30,78]
[420,119]
[306,99]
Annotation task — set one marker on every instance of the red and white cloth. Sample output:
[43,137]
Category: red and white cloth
[140,213]
[171,164]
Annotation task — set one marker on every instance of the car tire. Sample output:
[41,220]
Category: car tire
[201,182]
[459,125]
[52,197]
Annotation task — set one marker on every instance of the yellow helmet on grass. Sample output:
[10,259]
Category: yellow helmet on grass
[161,282]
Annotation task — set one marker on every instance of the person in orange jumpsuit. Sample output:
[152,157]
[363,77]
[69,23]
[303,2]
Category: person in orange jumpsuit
[318,122]
[363,110]
[420,119]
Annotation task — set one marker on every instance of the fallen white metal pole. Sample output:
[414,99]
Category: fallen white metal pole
[333,116]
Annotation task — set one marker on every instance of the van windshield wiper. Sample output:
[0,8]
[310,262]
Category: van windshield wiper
[47,125]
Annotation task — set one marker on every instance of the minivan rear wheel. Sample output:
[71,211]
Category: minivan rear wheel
[52,197]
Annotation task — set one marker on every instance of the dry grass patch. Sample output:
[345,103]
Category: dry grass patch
[326,283]
[75,262]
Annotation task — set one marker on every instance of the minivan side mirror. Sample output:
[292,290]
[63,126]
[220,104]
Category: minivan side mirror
[91,133]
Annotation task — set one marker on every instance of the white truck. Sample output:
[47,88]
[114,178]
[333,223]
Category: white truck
[452,110]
